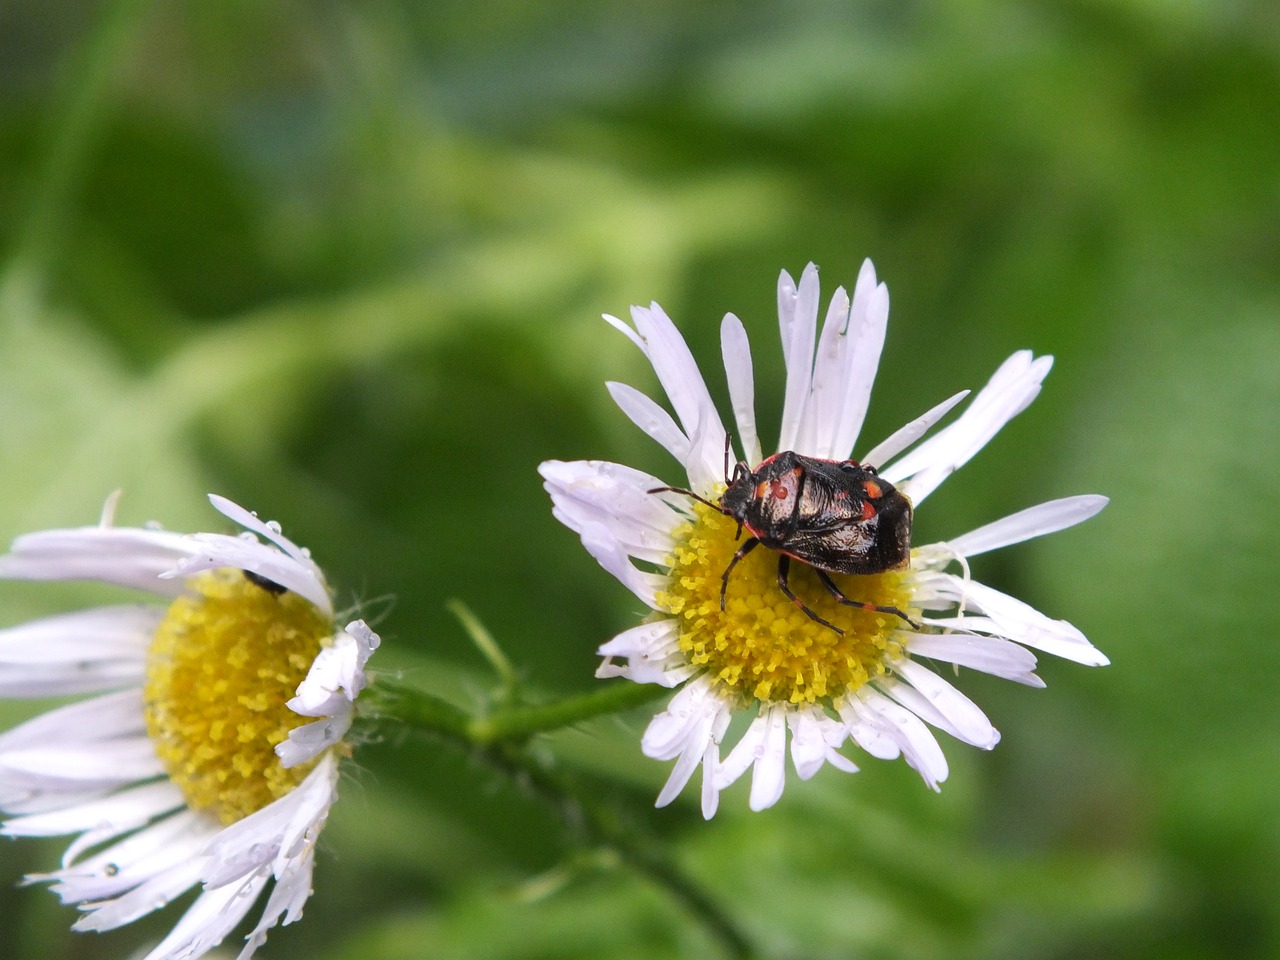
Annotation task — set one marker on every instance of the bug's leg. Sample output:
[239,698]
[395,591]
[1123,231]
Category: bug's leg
[784,571]
[841,598]
[743,550]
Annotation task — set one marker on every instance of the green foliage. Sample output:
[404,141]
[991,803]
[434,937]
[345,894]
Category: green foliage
[344,263]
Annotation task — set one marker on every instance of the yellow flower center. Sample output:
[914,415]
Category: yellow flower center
[224,661]
[762,646]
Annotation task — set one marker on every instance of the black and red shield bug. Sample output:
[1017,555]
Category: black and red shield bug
[258,580]
[837,516]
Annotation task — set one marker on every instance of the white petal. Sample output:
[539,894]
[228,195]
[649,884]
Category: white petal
[951,710]
[106,817]
[330,688]
[736,350]
[686,763]
[868,321]
[1036,521]
[337,674]
[710,773]
[269,530]
[101,633]
[906,435]
[88,650]
[814,737]
[868,735]
[826,394]
[651,418]
[213,551]
[105,762]
[610,555]
[280,829]
[670,672]
[906,730]
[207,922]
[764,747]
[653,654]
[1023,623]
[668,732]
[627,330]
[124,556]
[709,446]
[744,753]
[786,312]
[312,739]
[152,894]
[769,776]
[617,498]
[798,319]
[678,373]
[644,640]
[689,730]
[1013,386]
[111,715]
[164,846]
[78,750]
[292,889]
[993,655]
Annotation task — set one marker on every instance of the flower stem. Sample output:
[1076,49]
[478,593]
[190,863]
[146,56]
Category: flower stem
[519,723]
[499,739]
[603,826]
[393,700]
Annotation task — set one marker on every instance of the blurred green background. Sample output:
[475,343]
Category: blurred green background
[345,263]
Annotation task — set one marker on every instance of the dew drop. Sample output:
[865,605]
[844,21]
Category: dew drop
[274,526]
[110,870]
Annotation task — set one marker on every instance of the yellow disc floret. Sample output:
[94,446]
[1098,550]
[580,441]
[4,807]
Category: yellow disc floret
[222,665]
[762,645]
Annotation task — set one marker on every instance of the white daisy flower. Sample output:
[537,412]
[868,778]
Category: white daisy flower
[722,629]
[208,752]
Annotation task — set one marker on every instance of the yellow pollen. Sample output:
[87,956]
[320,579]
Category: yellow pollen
[222,664]
[762,646]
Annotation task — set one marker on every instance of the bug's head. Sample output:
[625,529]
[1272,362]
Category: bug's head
[737,496]
[894,541]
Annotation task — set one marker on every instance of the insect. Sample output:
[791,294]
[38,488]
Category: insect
[837,516]
[273,588]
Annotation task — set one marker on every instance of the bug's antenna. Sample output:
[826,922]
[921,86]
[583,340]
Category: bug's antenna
[689,493]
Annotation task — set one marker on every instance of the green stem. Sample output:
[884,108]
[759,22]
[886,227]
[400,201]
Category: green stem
[520,723]
[605,828]
[499,739]
[388,699]
[391,699]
